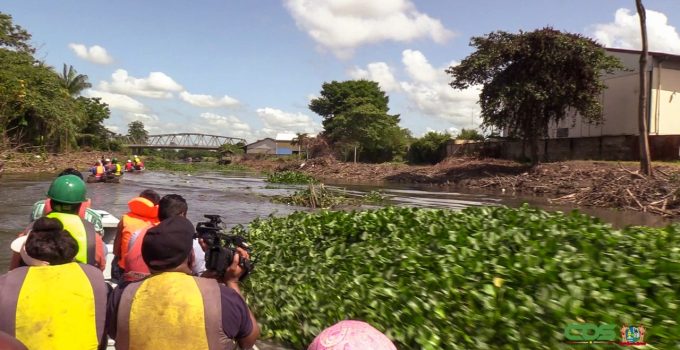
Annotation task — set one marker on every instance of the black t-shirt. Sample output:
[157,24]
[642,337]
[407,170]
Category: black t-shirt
[236,322]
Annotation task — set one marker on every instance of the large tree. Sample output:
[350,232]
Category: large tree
[355,118]
[73,82]
[531,79]
[137,133]
[14,37]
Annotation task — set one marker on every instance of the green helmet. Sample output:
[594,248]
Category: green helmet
[68,189]
[114,160]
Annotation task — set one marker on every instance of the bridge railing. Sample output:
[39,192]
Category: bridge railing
[182,140]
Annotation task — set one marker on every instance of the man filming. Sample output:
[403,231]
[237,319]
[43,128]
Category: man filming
[171,309]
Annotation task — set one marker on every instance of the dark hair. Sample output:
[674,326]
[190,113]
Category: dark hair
[171,205]
[48,241]
[151,195]
[68,208]
[71,171]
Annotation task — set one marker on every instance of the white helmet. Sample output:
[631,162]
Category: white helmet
[129,161]
[107,160]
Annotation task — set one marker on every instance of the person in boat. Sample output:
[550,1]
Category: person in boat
[53,302]
[67,194]
[98,170]
[143,214]
[44,207]
[128,165]
[136,268]
[115,167]
[171,309]
[138,164]
[351,335]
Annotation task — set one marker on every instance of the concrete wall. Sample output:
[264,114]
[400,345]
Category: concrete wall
[592,148]
[665,101]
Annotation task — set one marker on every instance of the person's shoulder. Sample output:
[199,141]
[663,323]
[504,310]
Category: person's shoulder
[91,271]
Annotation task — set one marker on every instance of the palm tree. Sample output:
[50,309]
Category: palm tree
[73,82]
[301,139]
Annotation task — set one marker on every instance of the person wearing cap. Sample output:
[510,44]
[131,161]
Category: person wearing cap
[135,267]
[143,214]
[66,194]
[128,165]
[53,302]
[351,335]
[171,309]
[44,207]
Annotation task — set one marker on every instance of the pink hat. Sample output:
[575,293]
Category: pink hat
[351,335]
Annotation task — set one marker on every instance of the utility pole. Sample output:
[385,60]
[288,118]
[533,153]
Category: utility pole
[645,158]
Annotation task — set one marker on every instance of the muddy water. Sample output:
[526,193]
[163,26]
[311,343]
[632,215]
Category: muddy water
[241,197]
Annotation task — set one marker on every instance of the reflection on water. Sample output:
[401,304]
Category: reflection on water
[240,198]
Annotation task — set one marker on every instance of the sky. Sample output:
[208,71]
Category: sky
[248,68]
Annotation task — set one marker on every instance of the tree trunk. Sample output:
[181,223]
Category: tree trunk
[533,145]
[645,159]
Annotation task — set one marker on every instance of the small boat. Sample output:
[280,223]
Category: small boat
[106,178]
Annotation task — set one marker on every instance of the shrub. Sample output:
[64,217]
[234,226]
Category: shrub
[431,148]
[290,177]
[481,278]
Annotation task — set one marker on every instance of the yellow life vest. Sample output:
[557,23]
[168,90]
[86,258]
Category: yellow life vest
[171,310]
[86,240]
[56,309]
[117,169]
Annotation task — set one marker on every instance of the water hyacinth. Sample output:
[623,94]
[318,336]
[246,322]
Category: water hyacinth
[480,278]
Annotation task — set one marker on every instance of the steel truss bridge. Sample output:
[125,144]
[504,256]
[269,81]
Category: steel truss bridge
[183,141]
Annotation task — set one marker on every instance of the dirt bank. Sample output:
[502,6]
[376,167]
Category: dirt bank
[585,183]
[24,163]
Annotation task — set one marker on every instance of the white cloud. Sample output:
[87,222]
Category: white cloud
[277,121]
[377,71]
[113,128]
[624,32]
[207,101]
[95,54]
[230,125]
[430,93]
[156,85]
[117,101]
[343,25]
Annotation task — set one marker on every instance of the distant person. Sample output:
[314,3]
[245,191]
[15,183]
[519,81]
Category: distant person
[66,194]
[351,335]
[98,170]
[44,207]
[128,165]
[143,214]
[115,167]
[169,206]
[53,302]
[172,309]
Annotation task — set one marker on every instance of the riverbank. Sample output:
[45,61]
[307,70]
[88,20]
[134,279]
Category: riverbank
[579,183]
[28,163]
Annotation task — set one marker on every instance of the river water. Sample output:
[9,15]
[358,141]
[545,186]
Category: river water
[242,197]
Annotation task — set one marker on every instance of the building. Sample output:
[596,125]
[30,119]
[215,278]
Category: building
[620,100]
[283,144]
[264,146]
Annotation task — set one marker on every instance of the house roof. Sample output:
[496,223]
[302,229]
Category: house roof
[285,137]
[651,53]
[258,141]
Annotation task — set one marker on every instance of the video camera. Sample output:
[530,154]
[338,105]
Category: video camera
[222,246]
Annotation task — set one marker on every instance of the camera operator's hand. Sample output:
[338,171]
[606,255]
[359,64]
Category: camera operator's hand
[234,271]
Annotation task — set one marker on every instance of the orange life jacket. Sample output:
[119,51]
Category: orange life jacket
[142,213]
[81,212]
[99,170]
[136,268]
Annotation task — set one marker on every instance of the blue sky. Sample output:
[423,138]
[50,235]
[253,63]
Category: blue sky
[247,68]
